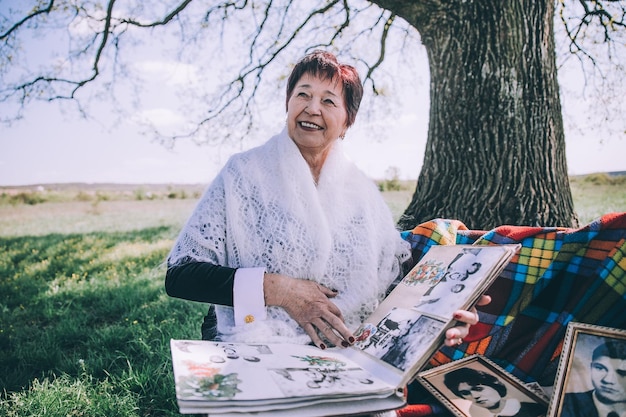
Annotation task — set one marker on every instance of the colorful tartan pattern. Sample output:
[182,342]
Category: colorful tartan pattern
[560,275]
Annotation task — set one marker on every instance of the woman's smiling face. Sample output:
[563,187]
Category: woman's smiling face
[316,113]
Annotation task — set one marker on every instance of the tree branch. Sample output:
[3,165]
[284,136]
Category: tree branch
[28,17]
[594,15]
[235,89]
[168,18]
[278,25]
[381,55]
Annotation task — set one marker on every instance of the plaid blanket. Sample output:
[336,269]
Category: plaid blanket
[560,275]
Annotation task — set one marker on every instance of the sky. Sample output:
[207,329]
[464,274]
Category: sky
[52,145]
[49,148]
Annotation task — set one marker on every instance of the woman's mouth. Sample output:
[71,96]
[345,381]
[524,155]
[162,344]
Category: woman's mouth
[309,125]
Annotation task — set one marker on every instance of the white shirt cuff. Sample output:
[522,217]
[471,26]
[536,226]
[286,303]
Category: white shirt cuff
[248,296]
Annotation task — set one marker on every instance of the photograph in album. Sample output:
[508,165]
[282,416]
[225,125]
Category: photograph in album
[392,345]
[409,325]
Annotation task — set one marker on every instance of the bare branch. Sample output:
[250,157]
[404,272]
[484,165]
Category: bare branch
[381,55]
[169,17]
[235,89]
[271,27]
[100,40]
[340,30]
[28,17]
[595,14]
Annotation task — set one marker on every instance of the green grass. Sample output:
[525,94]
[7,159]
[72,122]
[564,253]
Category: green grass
[598,194]
[84,320]
[85,324]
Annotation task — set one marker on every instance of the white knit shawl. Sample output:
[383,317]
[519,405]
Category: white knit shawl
[264,209]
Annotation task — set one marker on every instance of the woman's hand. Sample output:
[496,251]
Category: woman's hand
[455,335]
[308,303]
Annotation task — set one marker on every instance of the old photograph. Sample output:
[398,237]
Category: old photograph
[591,379]
[477,387]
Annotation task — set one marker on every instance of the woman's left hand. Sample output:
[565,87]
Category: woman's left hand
[455,335]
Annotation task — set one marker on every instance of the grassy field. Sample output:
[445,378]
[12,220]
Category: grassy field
[84,319]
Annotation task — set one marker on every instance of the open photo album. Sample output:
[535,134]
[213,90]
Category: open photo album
[392,346]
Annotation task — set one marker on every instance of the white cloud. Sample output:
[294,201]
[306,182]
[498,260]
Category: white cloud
[170,72]
[82,25]
[160,118]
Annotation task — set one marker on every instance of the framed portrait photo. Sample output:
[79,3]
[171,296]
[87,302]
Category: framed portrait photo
[477,387]
[591,372]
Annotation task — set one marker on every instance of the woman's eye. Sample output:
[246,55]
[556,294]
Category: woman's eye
[329,101]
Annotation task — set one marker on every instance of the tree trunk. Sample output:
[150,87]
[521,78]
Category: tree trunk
[495,153]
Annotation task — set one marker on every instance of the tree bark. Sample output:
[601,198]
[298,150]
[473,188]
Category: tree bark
[495,153]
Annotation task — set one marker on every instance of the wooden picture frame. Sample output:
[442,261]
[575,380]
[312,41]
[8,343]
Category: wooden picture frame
[489,386]
[573,383]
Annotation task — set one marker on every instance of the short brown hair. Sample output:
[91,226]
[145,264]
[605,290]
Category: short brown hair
[325,65]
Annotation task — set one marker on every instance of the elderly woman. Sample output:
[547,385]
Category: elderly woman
[291,242]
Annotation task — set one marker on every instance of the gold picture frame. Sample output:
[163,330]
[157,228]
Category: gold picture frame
[575,380]
[477,387]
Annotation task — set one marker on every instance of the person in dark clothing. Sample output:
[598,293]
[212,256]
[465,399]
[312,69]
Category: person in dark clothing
[608,377]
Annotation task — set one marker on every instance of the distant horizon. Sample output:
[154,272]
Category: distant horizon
[169,184]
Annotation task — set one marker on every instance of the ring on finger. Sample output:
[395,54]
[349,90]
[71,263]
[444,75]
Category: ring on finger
[460,341]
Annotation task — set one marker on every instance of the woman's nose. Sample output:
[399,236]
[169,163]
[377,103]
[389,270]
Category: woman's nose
[313,108]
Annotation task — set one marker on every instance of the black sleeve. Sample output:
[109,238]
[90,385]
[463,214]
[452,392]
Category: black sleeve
[200,281]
